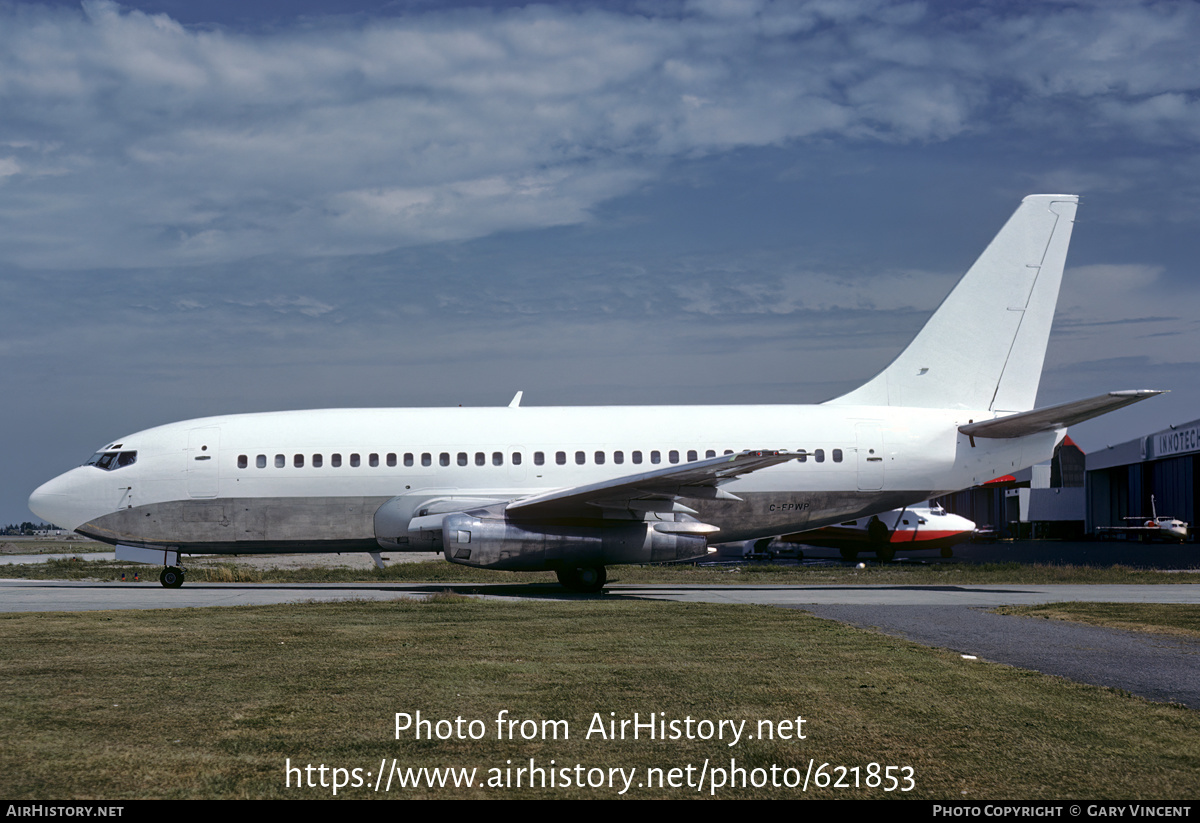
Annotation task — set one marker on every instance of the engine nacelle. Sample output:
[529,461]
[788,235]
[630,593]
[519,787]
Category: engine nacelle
[497,543]
[413,522]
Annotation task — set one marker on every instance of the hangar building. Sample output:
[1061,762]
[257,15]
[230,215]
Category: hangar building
[1121,479]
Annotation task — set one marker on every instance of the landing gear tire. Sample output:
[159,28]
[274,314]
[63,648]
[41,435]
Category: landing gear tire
[885,555]
[849,555]
[586,579]
[171,577]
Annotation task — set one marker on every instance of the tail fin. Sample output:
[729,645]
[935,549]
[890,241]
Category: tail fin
[984,346]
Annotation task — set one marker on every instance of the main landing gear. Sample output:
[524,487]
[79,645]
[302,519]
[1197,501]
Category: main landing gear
[585,579]
[172,577]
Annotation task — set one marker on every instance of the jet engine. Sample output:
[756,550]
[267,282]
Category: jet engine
[499,543]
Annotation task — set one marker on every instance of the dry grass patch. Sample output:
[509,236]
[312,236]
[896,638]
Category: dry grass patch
[1178,619]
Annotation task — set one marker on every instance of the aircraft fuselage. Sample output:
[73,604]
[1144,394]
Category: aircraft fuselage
[312,481]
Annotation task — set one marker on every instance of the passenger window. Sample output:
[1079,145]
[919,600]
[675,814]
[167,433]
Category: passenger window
[710,453]
[655,457]
[280,461]
[560,458]
[539,458]
[803,457]
[391,460]
[637,457]
[426,459]
[480,458]
[298,461]
[579,458]
[498,459]
[444,458]
[462,458]
[599,458]
[837,455]
[692,455]
[408,458]
[618,457]
[261,461]
[355,461]
[243,461]
[819,455]
[516,458]
[728,451]
[335,460]
[317,460]
[374,460]
[673,456]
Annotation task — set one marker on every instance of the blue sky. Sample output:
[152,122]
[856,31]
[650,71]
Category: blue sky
[215,207]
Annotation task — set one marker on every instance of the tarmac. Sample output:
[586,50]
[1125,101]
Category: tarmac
[952,617]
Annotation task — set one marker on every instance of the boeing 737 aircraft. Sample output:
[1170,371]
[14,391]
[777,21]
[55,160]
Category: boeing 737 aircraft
[578,489]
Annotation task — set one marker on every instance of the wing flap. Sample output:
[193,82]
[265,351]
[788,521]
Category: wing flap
[656,490]
[1055,417]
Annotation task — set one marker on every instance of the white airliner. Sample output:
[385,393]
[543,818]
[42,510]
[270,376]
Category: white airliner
[577,489]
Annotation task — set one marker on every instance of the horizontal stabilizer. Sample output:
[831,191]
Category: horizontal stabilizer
[1055,417]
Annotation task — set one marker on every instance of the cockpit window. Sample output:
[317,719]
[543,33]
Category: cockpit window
[110,460]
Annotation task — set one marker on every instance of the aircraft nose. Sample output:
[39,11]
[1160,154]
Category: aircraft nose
[63,501]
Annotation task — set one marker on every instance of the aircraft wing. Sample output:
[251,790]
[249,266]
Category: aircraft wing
[653,491]
[1055,417]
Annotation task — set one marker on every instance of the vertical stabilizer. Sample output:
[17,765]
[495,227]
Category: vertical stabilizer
[984,346]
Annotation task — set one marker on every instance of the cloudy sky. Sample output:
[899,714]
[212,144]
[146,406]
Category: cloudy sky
[211,206]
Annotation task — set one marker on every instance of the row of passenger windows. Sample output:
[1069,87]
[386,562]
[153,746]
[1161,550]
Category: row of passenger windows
[599,458]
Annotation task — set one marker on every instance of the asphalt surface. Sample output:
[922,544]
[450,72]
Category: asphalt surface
[953,617]
[1152,666]
[63,595]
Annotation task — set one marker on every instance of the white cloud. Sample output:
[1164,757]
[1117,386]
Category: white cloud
[152,143]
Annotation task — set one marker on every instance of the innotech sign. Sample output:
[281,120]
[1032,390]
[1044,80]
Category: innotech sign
[1175,441]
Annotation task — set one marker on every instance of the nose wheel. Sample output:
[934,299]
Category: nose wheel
[171,577]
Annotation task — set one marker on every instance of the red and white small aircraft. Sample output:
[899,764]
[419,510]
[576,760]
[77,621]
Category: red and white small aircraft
[911,528]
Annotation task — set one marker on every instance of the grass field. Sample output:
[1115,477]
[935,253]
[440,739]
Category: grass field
[212,702]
